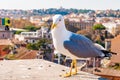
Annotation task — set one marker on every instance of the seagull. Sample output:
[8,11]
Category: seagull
[73,45]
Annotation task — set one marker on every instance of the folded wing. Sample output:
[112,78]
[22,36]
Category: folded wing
[81,46]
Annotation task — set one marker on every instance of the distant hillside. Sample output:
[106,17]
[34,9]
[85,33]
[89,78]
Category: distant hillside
[60,11]
[21,23]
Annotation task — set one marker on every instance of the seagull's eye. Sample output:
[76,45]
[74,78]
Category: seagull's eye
[59,19]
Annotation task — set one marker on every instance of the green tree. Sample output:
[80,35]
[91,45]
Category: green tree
[98,39]
[42,43]
[31,28]
[32,46]
[17,32]
[98,27]
[115,66]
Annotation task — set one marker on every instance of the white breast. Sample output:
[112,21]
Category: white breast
[58,42]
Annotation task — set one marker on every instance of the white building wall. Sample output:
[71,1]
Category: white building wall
[29,34]
[19,37]
[111,27]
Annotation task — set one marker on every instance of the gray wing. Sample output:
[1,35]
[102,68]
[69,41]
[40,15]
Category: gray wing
[81,46]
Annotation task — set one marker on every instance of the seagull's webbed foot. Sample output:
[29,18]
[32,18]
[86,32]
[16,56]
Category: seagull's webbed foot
[67,74]
[72,71]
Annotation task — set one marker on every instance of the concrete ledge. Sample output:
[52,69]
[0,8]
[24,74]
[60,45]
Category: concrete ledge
[38,69]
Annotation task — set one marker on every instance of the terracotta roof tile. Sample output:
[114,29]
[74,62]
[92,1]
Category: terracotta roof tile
[115,47]
[29,55]
[5,42]
[109,72]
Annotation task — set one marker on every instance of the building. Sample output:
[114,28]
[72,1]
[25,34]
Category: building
[5,34]
[114,46]
[81,25]
[110,74]
[4,47]
[37,20]
[24,53]
[112,27]
[32,37]
[107,44]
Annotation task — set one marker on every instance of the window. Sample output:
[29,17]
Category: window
[3,35]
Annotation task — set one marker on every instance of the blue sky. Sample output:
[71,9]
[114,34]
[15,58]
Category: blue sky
[79,4]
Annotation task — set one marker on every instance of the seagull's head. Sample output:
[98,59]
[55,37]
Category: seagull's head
[58,21]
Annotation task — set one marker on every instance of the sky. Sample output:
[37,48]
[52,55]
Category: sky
[79,4]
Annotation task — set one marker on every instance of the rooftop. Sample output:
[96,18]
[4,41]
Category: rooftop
[115,47]
[5,42]
[38,69]
[108,71]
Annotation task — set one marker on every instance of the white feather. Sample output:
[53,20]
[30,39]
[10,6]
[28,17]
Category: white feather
[59,35]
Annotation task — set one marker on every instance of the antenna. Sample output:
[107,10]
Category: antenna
[60,4]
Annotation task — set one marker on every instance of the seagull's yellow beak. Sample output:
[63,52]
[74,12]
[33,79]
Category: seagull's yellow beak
[53,26]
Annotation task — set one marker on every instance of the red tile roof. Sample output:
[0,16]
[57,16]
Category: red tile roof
[115,47]
[29,55]
[109,72]
[5,42]
[24,53]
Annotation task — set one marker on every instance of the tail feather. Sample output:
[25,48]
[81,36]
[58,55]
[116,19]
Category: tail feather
[108,53]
